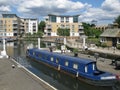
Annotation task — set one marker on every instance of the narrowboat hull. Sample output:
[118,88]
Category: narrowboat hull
[81,78]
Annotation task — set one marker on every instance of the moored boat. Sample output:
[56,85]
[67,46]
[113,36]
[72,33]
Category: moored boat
[84,69]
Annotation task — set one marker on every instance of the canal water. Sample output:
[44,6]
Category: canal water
[57,79]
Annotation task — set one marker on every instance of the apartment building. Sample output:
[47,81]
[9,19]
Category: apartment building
[53,22]
[9,25]
[13,26]
[29,25]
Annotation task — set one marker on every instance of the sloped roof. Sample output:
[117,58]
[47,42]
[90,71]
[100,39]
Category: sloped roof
[65,57]
[111,33]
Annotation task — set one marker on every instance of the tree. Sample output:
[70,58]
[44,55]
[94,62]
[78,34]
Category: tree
[91,31]
[63,32]
[39,33]
[41,26]
[117,20]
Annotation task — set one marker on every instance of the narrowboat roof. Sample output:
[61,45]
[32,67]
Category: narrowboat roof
[66,57]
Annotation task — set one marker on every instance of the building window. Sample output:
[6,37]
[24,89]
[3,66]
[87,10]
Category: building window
[53,18]
[73,26]
[62,19]
[67,19]
[75,66]
[33,53]
[75,19]
[52,59]
[62,26]
[67,26]
[66,63]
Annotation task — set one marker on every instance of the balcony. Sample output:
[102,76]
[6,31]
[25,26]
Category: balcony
[15,31]
[81,31]
[48,31]
[15,22]
[34,24]
[34,27]
[22,27]
[48,27]
[15,26]
[80,27]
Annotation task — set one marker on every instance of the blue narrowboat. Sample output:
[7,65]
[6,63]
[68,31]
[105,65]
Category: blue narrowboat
[84,69]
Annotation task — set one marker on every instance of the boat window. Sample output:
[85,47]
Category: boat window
[66,63]
[33,53]
[85,69]
[52,59]
[75,66]
[93,66]
[57,60]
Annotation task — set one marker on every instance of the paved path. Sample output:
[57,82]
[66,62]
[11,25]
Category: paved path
[17,78]
[107,50]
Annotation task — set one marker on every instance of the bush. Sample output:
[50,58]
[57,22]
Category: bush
[98,43]
[75,50]
[103,45]
[118,46]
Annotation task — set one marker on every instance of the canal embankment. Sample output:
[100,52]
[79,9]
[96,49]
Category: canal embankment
[13,76]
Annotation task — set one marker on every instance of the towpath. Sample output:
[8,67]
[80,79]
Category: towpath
[18,78]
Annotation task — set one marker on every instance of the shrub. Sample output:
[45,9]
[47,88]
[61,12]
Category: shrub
[75,50]
[103,45]
[118,46]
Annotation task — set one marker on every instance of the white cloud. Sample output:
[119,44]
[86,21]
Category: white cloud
[108,11]
[111,5]
[5,8]
[44,7]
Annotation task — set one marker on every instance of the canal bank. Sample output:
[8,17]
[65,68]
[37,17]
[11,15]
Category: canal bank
[17,78]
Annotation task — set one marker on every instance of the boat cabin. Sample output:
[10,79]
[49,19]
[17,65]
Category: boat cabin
[68,63]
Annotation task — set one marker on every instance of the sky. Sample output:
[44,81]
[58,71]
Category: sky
[102,11]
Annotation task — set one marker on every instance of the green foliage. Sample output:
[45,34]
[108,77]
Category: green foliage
[103,45]
[75,50]
[63,32]
[39,33]
[94,41]
[118,46]
[41,26]
[90,31]
[117,20]
[98,43]
[28,35]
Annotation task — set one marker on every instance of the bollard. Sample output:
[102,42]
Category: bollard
[13,66]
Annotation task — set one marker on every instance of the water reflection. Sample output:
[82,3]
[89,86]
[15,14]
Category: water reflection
[55,78]
[60,80]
